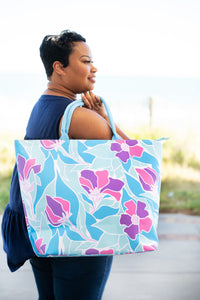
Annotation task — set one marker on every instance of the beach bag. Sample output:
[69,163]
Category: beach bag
[90,197]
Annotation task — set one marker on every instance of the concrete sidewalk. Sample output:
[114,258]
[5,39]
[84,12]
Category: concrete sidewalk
[170,273]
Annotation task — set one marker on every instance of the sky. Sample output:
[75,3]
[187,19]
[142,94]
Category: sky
[129,37]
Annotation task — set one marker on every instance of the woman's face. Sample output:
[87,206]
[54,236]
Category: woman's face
[80,73]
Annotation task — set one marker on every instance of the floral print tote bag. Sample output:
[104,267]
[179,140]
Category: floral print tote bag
[90,197]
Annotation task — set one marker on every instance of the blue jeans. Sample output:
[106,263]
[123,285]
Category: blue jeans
[71,278]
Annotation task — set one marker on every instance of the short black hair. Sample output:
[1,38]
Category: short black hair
[58,48]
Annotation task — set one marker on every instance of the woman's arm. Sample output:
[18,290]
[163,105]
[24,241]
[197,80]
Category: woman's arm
[87,124]
[91,121]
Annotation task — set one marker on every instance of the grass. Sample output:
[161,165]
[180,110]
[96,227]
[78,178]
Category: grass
[180,196]
[180,188]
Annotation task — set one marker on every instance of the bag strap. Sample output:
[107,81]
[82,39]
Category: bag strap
[68,115]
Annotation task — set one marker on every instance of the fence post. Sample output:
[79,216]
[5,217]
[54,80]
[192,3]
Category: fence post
[150,112]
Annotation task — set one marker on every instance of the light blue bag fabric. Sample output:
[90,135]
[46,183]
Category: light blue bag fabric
[90,197]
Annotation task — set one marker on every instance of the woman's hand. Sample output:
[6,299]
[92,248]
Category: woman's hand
[94,103]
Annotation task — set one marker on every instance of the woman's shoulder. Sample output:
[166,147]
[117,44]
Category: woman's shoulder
[50,102]
[87,124]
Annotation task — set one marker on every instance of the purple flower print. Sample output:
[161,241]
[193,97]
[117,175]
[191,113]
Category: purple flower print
[148,178]
[136,219]
[93,251]
[40,247]
[25,167]
[126,149]
[98,184]
[57,210]
[51,144]
[58,213]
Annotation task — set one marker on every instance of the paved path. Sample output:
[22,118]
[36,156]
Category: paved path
[170,273]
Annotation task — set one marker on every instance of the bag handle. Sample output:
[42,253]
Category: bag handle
[68,115]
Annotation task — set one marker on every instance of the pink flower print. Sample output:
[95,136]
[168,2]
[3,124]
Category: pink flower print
[57,145]
[98,184]
[148,178]
[150,247]
[93,251]
[40,247]
[51,144]
[25,167]
[136,219]
[126,149]
[57,210]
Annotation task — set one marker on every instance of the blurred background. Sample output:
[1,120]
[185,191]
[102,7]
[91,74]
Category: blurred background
[147,55]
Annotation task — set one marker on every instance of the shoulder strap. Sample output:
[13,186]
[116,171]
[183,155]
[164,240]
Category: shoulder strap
[68,115]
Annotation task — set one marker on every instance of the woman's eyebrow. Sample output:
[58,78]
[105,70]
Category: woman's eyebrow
[85,56]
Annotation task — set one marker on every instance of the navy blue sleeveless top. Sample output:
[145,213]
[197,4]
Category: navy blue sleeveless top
[43,124]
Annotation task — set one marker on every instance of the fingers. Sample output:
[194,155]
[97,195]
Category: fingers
[91,100]
[97,100]
[86,101]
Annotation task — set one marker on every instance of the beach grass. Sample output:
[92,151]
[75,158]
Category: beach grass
[180,187]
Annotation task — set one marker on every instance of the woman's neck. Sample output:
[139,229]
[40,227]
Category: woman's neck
[58,90]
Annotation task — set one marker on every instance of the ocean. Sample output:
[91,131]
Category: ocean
[175,101]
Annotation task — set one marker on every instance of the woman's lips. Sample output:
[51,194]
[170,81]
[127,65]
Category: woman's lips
[92,79]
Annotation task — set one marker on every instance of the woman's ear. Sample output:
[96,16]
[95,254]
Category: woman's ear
[58,67]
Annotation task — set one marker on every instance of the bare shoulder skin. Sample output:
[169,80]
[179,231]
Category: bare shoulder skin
[87,124]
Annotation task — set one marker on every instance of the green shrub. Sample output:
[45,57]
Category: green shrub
[194,163]
[178,157]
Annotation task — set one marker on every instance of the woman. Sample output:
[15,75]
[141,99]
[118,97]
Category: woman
[68,63]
